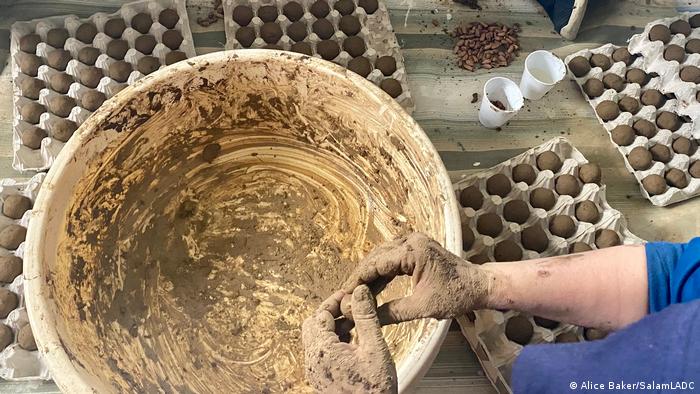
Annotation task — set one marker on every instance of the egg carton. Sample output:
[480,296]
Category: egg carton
[27,158]
[18,364]
[376,31]
[681,99]
[486,329]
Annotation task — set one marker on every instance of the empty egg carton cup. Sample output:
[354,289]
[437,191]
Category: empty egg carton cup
[646,97]
[515,211]
[356,34]
[19,359]
[64,67]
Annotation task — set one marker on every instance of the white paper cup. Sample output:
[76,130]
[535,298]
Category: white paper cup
[503,90]
[542,71]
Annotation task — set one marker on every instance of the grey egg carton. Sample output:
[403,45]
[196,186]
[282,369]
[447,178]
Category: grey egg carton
[376,31]
[681,100]
[485,329]
[16,363]
[28,159]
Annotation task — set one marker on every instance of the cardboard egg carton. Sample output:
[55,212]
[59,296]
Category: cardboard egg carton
[40,158]
[680,99]
[17,363]
[486,329]
[376,31]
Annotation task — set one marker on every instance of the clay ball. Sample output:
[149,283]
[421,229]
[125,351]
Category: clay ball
[293,11]
[29,42]
[676,178]
[587,211]
[245,36]
[15,205]
[592,334]
[173,38]
[360,65]
[31,112]
[546,323]
[684,146]
[600,60]
[590,173]
[644,128]
[32,137]
[386,64]
[320,9]
[668,120]
[168,18]
[61,105]
[524,173]
[62,129]
[542,198]
[579,66]
[328,49]
[653,97]
[578,247]
[480,258]
[8,302]
[614,81]
[692,46]
[354,46]
[623,135]
[25,338]
[498,185]
[145,44]
[690,74]
[174,57]
[344,7]
[116,49]
[467,237]
[680,27]
[674,52]
[5,336]
[91,76]
[562,226]
[534,238]
[660,33]
[567,185]
[370,6]
[607,110]
[622,55]
[566,337]
[303,47]
[519,330]
[350,25]
[148,64]
[489,224]
[58,59]
[606,238]
[635,75]
[516,211]
[629,104]
[593,87]
[297,31]
[31,87]
[120,70]
[392,87]
[640,158]
[12,235]
[60,82]
[694,169]
[29,64]
[242,15]
[10,268]
[507,250]
[268,13]
[654,184]
[471,197]
[92,99]
[694,21]
[86,33]
[141,22]
[323,28]
[88,55]
[57,37]
[114,27]
[548,161]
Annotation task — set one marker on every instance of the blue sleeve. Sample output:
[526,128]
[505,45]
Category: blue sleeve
[663,347]
[674,273]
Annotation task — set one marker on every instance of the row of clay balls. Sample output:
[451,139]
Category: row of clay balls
[328,49]
[518,211]
[90,76]
[519,329]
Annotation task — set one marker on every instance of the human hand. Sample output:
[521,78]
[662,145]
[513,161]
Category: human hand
[444,285]
[339,367]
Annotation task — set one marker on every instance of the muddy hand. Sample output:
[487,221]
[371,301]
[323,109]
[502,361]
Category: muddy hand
[338,367]
[444,285]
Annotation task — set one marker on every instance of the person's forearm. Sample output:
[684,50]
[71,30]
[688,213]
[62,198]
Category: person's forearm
[604,288]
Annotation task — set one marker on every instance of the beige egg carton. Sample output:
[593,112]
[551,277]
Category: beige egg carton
[681,99]
[376,31]
[28,159]
[17,363]
[486,329]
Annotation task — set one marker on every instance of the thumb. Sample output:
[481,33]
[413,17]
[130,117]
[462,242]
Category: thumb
[399,310]
[369,331]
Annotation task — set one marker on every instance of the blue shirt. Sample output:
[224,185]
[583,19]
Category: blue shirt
[662,348]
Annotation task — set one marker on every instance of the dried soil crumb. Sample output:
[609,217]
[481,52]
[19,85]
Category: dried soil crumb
[481,45]
[475,97]
[498,105]
[473,4]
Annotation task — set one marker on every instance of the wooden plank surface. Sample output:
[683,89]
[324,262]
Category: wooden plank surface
[443,93]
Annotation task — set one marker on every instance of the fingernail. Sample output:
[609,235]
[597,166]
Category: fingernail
[361,293]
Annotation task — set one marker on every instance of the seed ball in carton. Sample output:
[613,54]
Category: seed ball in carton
[594,87]
[15,205]
[354,46]
[613,81]
[145,44]
[25,338]
[115,27]
[86,32]
[516,211]
[600,60]
[676,178]
[29,42]
[623,135]
[31,87]
[590,173]
[173,38]
[168,18]
[578,247]
[467,236]
[507,250]
[29,63]
[141,22]
[391,87]
[606,238]
[566,337]
[471,197]
[12,235]
[660,33]
[519,330]
[593,334]
[120,71]
[320,9]
[534,238]
[542,198]
[328,49]
[638,76]
[174,57]
[370,6]
[293,11]
[57,37]
[92,99]
[640,158]
[645,128]
[489,224]
[10,268]
[148,64]
[62,129]
[524,173]
[31,112]
[117,49]
[562,226]
[344,7]
[305,48]
[622,54]
[546,323]
[549,161]
[629,104]
[58,59]
[245,36]
[579,66]
[32,137]
[90,76]
[685,146]
[653,97]
[498,185]
[60,82]
[8,302]
[360,65]
[587,211]
[567,185]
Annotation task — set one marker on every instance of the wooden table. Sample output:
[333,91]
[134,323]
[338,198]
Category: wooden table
[443,93]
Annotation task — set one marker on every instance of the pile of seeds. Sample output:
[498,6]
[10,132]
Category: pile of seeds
[485,45]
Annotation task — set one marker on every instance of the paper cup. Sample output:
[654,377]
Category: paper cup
[542,71]
[501,90]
